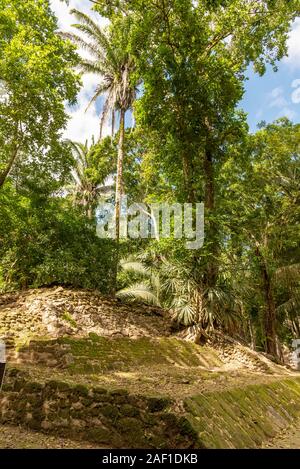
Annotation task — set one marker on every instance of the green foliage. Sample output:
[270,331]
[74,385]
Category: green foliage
[37,76]
[92,165]
[49,242]
[261,193]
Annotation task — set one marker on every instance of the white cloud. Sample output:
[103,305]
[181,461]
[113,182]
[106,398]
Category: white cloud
[295,83]
[82,125]
[276,98]
[293,59]
[65,20]
[296,96]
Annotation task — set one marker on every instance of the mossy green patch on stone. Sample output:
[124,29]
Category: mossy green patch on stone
[157,404]
[128,410]
[95,354]
[57,385]
[99,435]
[109,411]
[68,318]
[81,390]
[230,418]
[33,387]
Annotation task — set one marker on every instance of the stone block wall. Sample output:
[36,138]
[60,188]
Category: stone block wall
[108,417]
[238,418]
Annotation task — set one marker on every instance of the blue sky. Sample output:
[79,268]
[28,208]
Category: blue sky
[266,98]
[276,94]
[271,96]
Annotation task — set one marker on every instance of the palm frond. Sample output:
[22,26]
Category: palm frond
[86,20]
[110,102]
[102,88]
[89,66]
[81,42]
[94,32]
[135,267]
[184,313]
[141,292]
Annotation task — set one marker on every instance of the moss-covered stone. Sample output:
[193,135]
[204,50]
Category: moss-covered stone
[33,387]
[128,410]
[81,390]
[109,411]
[186,428]
[87,401]
[69,319]
[99,435]
[132,431]
[227,419]
[95,353]
[58,385]
[157,404]
[98,390]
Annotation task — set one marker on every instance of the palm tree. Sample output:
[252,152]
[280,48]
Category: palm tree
[171,285]
[87,179]
[147,289]
[114,66]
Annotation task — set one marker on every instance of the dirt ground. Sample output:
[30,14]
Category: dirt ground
[20,438]
[287,439]
[175,382]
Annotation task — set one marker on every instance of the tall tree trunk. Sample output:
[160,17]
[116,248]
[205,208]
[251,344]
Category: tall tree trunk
[119,183]
[9,165]
[187,178]
[112,124]
[185,152]
[209,195]
[119,186]
[212,269]
[269,318]
[252,335]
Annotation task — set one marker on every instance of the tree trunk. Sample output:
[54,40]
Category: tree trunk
[12,159]
[188,183]
[119,183]
[209,196]
[252,335]
[270,316]
[269,319]
[186,154]
[112,124]
[119,186]
[212,269]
